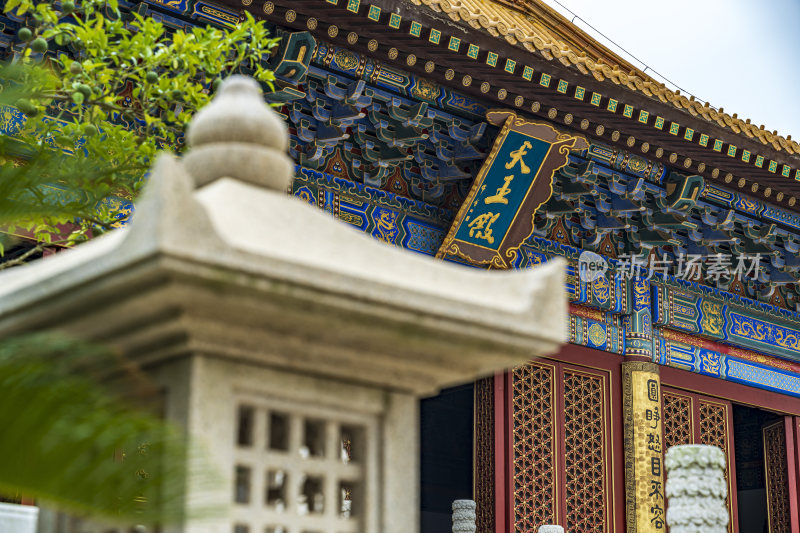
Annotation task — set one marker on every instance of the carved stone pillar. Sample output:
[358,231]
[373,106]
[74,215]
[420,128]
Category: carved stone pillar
[464,516]
[550,529]
[697,489]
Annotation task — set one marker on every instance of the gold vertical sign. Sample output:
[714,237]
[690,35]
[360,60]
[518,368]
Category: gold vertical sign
[644,451]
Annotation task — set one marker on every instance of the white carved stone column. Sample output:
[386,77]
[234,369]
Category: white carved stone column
[696,489]
[464,516]
[550,529]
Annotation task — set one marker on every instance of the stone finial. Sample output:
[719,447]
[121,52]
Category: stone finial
[239,136]
[696,489]
[464,516]
[550,529]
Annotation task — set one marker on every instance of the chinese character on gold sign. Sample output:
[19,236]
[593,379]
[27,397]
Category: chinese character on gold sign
[649,446]
[516,158]
[502,192]
[481,226]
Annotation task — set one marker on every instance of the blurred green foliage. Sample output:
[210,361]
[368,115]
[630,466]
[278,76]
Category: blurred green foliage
[97,96]
[73,439]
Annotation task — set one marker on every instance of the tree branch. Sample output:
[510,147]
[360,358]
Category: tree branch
[22,258]
[40,247]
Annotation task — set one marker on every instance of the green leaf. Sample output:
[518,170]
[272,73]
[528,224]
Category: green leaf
[70,442]
[11,5]
[114,52]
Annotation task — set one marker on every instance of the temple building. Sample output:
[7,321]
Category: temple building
[497,135]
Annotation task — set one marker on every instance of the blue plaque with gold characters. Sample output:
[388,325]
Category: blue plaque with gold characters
[516,179]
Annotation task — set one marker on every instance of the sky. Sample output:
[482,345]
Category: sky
[741,55]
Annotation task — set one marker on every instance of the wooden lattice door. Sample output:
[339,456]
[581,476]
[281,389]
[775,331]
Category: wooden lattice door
[780,468]
[691,418]
[556,444]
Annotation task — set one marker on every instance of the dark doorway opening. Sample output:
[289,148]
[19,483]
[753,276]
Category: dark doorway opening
[750,477]
[446,455]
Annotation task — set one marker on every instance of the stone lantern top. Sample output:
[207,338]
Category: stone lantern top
[238,135]
[218,259]
[238,114]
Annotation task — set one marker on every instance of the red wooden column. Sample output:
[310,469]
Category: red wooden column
[503,489]
[733,496]
[794,488]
